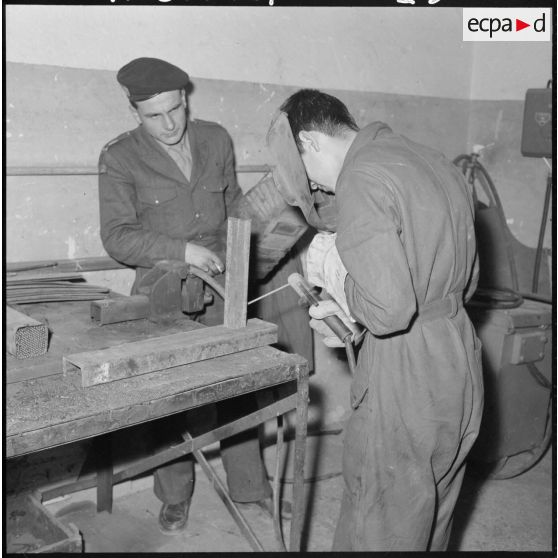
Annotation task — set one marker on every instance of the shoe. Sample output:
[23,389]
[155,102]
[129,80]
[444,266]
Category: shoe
[286,508]
[173,517]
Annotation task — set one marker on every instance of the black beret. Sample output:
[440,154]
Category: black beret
[143,78]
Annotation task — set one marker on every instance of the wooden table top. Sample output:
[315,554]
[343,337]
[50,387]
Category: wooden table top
[55,409]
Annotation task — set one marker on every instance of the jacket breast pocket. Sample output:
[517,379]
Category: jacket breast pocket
[210,196]
[158,209]
[156,196]
[214,185]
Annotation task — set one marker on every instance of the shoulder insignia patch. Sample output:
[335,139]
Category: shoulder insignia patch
[116,140]
[206,122]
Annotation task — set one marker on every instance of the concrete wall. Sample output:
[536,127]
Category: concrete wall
[363,49]
[408,67]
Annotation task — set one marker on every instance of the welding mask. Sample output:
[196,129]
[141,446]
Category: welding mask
[290,176]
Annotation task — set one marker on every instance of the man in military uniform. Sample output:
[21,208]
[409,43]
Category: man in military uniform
[165,189]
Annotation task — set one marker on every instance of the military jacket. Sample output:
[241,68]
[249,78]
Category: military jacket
[149,210]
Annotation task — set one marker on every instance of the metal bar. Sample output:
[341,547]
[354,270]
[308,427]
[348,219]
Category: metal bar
[542,231]
[234,427]
[24,267]
[51,171]
[159,353]
[92,171]
[231,506]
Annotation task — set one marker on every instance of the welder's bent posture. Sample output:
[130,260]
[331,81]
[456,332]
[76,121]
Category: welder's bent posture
[405,235]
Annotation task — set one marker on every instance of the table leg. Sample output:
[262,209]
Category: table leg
[299,456]
[103,457]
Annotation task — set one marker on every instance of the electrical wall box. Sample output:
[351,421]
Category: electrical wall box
[516,406]
[536,137]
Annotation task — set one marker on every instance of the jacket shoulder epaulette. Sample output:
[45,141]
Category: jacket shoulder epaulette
[102,168]
[207,122]
[116,140]
[211,131]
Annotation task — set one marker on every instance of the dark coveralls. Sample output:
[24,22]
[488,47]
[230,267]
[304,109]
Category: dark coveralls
[149,210]
[405,234]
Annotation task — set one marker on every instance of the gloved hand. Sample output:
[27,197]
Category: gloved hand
[327,308]
[325,268]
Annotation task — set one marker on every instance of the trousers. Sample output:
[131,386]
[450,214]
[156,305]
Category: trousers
[246,474]
[406,442]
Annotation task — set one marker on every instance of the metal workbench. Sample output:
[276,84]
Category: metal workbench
[55,409]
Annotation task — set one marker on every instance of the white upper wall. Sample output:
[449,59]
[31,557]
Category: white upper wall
[402,49]
[506,70]
[389,50]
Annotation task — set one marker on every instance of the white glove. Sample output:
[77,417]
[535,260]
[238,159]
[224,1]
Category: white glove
[325,268]
[334,279]
[315,256]
[327,308]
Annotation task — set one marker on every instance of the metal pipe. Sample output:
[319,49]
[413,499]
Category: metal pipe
[100,263]
[91,171]
[538,254]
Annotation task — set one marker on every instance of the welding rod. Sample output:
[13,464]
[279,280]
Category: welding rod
[269,293]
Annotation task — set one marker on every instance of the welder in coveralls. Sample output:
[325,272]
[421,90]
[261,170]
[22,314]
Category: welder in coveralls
[401,263]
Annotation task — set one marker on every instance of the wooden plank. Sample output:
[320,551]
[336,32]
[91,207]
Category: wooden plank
[159,353]
[236,285]
[25,337]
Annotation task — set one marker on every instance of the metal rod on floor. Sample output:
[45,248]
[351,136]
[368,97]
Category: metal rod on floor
[231,506]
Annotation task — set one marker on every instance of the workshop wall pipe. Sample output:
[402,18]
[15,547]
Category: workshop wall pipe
[74,171]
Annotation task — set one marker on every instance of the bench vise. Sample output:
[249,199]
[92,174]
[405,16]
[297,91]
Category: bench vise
[166,291]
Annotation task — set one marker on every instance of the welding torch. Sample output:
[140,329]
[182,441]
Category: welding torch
[334,322]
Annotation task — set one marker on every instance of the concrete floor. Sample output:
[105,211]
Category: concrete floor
[491,515]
